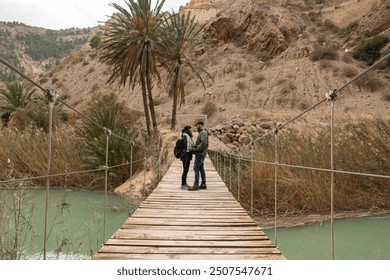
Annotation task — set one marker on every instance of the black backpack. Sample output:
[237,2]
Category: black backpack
[180,148]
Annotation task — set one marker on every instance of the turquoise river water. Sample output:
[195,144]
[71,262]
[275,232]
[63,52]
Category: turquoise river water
[76,228]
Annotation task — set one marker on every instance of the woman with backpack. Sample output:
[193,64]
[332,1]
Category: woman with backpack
[186,155]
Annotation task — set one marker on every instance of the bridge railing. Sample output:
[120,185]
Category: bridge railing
[229,163]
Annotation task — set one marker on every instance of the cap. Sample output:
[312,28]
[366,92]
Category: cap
[199,122]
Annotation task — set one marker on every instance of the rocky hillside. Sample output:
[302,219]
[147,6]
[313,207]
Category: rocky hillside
[36,50]
[268,60]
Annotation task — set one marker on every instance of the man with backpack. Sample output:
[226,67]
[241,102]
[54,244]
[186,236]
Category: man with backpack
[200,150]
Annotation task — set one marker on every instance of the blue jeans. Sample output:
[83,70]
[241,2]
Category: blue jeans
[199,168]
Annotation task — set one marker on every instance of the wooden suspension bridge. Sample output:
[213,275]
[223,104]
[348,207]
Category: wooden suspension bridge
[180,224]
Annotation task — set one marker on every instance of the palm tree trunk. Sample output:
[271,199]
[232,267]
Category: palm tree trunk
[144,91]
[175,98]
[149,86]
[146,108]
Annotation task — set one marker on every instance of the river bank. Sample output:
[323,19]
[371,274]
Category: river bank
[294,220]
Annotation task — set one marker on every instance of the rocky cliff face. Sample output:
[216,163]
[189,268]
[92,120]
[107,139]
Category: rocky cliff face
[253,25]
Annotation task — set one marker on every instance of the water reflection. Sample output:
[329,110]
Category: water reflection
[355,239]
[75,228]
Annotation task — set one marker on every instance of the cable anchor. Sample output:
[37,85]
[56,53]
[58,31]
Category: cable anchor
[331,95]
[51,96]
[107,131]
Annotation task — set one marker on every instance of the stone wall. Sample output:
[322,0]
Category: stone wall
[241,133]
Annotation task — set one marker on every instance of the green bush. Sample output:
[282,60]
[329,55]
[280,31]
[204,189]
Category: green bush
[368,50]
[108,112]
[95,42]
[346,32]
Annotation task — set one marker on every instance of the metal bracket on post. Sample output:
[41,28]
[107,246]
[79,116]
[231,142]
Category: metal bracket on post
[107,131]
[331,95]
[51,96]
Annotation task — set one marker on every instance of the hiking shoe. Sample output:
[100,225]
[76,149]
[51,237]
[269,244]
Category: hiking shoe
[203,187]
[185,186]
[193,188]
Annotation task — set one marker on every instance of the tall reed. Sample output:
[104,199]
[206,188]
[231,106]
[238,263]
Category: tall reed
[360,148]
[15,224]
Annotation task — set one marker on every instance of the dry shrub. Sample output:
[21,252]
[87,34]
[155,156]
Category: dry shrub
[92,55]
[369,82]
[287,88]
[283,101]
[386,96]
[241,75]
[303,106]
[54,80]
[229,69]
[349,72]
[324,53]
[74,58]
[329,25]
[240,85]
[95,88]
[326,65]
[258,78]
[359,148]
[347,58]
[209,109]
[90,70]
[24,154]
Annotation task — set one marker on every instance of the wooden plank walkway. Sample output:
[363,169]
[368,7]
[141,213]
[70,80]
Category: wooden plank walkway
[179,224]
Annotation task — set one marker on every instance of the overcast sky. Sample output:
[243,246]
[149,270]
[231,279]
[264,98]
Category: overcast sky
[61,14]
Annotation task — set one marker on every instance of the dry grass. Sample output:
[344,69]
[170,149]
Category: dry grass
[258,78]
[386,96]
[209,109]
[240,85]
[24,154]
[369,82]
[359,148]
[326,52]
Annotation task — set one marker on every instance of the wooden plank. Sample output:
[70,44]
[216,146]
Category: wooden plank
[191,234]
[190,228]
[196,219]
[127,256]
[185,250]
[192,243]
[123,234]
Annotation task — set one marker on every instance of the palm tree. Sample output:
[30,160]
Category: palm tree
[14,97]
[184,40]
[131,41]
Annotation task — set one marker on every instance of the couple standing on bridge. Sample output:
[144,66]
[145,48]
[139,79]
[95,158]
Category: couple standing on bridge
[199,149]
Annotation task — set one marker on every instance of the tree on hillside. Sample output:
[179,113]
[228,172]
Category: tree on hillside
[15,96]
[130,44]
[183,33]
